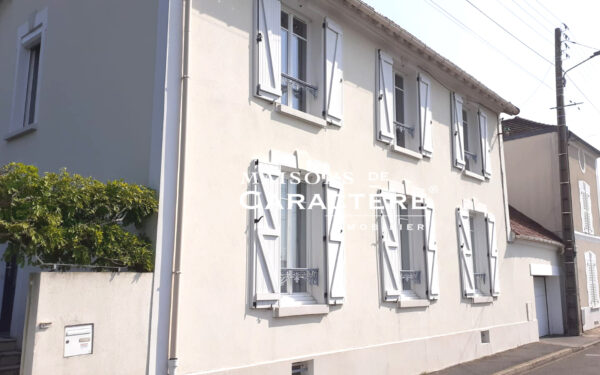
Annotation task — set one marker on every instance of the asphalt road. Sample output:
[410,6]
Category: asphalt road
[585,362]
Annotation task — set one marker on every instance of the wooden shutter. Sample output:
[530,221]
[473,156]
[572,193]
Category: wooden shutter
[458,135]
[585,202]
[385,97]
[267,234]
[466,252]
[492,243]
[592,280]
[485,145]
[433,285]
[425,120]
[390,246]
[334,74]
[268,49]
[336,256]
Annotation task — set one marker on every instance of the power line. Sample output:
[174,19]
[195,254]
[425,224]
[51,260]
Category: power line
[582,45]
[549,12]
[585,96]
[529,14]
[539,14]
[509,33]
[455,20]
[525,22]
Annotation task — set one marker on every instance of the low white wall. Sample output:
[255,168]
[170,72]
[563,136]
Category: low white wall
[117,304]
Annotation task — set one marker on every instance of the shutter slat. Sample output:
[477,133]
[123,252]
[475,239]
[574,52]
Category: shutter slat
[433,286]
[334,74]
[390,246]
[458,132]
[466,252]
[385,98]
[268,45]
[485,145]
[336,255]
[493,255]
[267,234]
[425,120]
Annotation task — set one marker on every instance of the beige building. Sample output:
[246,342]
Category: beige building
[534,188]
[332,191]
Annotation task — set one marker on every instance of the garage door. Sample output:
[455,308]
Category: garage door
[541,305]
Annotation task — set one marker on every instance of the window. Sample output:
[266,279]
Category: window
[30,47]
[591,272]
[403,108]
[585,202]
[297,238]
[471,144]
[293,62]
[408,249]
[478,251]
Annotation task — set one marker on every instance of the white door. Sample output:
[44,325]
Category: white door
[541,305]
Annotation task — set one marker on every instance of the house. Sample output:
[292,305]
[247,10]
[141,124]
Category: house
[534,189]
[332,191]
[541,250]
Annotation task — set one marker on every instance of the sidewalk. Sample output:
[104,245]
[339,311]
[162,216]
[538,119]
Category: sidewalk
[525,357]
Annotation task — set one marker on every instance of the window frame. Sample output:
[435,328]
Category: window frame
[29,35]
[473,146]
[411,292]
[480,252]
[415,131]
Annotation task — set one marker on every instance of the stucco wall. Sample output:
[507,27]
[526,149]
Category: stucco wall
[117,304]
[532,178]
[228,128]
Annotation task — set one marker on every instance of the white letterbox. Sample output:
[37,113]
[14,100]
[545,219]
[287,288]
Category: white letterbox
[79,339]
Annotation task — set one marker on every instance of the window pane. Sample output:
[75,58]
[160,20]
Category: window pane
[299,28]
[298,70]
[399,109]
[284,20]
[404,246]
[284,226]
[32,83]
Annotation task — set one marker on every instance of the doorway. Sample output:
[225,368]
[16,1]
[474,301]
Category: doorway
[541,305]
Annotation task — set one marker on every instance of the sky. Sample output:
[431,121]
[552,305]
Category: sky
[519,67]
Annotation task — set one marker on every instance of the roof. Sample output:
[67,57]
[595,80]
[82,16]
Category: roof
[518,127]
[526,228]
[433,58]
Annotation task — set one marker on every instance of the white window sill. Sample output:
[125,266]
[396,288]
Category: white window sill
[20,132]
[299,115]
[482,299]
[312,309]
[408,303]
[473,175]
[407,152]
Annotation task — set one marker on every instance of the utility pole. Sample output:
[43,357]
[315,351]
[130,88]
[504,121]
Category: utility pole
[568,231]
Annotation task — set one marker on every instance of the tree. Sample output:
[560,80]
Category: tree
[62,218]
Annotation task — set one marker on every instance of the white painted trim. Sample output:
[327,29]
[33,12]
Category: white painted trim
[312,309]
[28,33]
[166,130]
[474,175]
[481,299]
[543,270]
[405,151]
[20,132]
[299,115]
[346,350]
[285,159]
[586,237]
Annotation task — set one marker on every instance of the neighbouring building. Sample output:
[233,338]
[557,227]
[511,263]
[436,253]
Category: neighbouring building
[332,191]
[534,189]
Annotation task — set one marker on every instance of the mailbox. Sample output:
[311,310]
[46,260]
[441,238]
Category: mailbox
[79,339]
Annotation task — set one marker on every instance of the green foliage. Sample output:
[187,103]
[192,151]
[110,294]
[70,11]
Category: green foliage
[69,219]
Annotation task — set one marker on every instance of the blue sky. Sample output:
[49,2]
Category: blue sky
[520,71]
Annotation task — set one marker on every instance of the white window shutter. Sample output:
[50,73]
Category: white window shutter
[390,246]
[268,49]
[493,255]
[425,121]
[485,145]
[385,97]
[585,204]
[466,252]
[336,255]
[267,234]
[458,141]
[334,74]
[433,284]
[588,198]
[591,271]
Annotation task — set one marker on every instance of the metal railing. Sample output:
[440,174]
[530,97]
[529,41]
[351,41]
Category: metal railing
[480,276]
[471,155]
[297,83]
[411,275]
[311,275]
[402,127]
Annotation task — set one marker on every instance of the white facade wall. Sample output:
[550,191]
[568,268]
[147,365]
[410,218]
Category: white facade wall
[228,127]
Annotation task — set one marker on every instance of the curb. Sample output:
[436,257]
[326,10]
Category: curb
[540,361]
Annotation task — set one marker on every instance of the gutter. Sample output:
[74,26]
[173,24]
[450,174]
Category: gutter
[409,41]
[175,289]
[560,245]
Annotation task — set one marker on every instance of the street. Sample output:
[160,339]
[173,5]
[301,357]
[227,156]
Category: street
[581,363]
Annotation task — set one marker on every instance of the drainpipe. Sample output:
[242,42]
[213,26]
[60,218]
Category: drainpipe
[175,295]
[509,233]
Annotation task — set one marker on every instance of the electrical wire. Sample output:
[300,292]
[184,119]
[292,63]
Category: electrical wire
[528,24]
[583,94]
[529,14]
[549,12]
[456,21]
[552,25]
[509,33]
[582,45]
